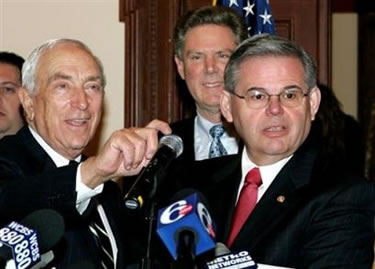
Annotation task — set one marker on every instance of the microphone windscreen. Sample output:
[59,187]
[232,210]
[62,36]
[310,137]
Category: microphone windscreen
[174,142]
[221,249]
[49,225]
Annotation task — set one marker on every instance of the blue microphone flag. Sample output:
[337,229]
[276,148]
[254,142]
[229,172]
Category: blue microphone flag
[187,214]
[23,243]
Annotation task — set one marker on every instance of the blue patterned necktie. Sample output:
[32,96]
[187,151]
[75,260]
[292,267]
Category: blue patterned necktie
[217,149]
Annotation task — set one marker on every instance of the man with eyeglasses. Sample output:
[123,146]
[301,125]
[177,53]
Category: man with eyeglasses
[11,118]
[277,199]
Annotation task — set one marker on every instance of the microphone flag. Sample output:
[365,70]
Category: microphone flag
[187,214]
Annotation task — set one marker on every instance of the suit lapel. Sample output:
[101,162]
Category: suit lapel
[282,197]
[185,129]
[40,159]
[220,188]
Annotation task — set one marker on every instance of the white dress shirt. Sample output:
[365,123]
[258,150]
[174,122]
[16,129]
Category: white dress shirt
[267,172]
[84,193]
[203,139]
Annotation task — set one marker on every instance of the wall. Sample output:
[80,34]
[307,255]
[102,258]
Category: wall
[344,60]
[25,24]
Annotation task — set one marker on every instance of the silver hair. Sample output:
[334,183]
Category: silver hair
[29,68]
[267,45]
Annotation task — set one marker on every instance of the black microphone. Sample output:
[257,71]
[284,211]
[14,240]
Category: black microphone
[49,227]
[170,147]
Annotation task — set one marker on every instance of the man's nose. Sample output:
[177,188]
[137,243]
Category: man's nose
[274,105]
[211,64]
[80,99]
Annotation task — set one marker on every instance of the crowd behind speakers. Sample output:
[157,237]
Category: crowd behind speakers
[311,208]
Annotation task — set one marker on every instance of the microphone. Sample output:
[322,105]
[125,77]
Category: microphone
[225,259]
[170,147]
[24,243]
[186,227]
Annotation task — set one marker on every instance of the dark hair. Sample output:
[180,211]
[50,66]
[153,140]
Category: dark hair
[341,136]
[268,45]
[208,15]
[12,59]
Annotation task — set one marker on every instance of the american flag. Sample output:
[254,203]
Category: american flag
[257,14]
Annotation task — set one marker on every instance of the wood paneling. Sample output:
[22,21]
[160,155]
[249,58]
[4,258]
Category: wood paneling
[366,86]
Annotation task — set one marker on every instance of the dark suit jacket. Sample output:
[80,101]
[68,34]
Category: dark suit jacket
[325,220]
[29,180]
[185,130]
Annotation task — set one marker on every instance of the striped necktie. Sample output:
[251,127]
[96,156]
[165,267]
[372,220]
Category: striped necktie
[100,234]
[101,237]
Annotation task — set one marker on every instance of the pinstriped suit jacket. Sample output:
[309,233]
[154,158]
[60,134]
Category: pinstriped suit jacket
[324,221]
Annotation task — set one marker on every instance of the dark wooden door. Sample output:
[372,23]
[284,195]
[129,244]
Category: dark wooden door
[152,88]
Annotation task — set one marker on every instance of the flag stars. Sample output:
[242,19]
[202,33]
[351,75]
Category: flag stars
[233,2]
[249,9]
[266,17]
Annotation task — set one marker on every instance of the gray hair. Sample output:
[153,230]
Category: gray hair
[208,15]
[31,63]
[268,45]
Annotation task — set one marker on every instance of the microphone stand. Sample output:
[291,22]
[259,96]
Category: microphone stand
[149,210]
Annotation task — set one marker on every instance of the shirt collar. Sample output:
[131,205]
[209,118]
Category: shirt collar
[57,158]
[267,172]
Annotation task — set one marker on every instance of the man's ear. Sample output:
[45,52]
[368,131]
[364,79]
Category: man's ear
[315,97]
[27,104]
[226,106]
[180,66]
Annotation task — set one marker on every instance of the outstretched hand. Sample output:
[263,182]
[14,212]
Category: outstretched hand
[125,153]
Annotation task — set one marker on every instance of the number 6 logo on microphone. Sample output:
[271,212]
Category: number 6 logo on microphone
[206,219]
[175,211]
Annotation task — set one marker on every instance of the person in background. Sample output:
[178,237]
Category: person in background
[11,115]
[341,134]
[204,39]
[278,198]
[42,166]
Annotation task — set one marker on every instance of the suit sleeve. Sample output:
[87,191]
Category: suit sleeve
[341,234]
[22,192]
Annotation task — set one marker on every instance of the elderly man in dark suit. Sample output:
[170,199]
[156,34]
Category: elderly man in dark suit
[276,199]
[42,166]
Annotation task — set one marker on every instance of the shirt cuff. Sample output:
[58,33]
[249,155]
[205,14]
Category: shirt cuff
[84,193]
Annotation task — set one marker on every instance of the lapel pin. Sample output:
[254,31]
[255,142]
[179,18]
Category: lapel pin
[280,199]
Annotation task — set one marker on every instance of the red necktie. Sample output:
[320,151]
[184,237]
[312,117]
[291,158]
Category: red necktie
[246,202]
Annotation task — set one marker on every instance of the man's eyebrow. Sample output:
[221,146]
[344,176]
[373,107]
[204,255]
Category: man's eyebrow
[289,87]
[9,83]
[193,52]
[60,75]
[94,78]
[293,86]
[57,76]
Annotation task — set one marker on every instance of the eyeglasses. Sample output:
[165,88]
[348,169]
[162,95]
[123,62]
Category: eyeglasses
[258,99]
